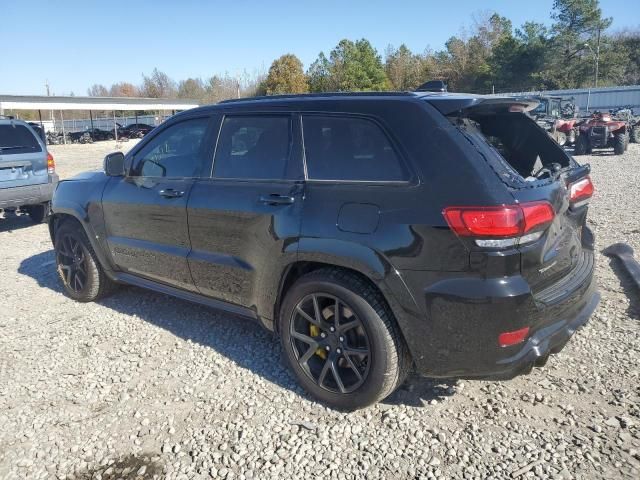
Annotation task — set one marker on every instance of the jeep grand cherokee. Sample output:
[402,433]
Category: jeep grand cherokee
[373,232]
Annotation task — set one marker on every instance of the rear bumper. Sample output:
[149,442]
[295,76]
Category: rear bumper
[458,335]
[29,194]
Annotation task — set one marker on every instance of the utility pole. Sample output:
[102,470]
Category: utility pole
[597,54]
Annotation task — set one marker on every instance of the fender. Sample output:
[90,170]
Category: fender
[374,266]
[80,198]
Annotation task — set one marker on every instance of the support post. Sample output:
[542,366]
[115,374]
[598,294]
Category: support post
[40,117]
[91,118]
[115,126]
[64,137]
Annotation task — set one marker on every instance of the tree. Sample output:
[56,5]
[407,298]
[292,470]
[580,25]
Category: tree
[578,23]
[405,70]
[286,76]
[357,66]
[123,89]
[158,85]
[319,76]
[97,90]
[192,88]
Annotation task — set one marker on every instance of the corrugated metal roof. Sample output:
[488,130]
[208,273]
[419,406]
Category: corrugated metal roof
[41,102]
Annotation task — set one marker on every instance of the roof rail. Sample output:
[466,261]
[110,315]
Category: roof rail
[8,117]
[316,95]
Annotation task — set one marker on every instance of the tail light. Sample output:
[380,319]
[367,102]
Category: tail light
[51,163]
[580,192]
[501,226]
[507,339]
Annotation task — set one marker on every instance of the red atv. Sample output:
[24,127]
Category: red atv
[558,120]
[602,131]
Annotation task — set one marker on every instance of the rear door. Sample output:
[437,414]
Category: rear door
[23,156]
[245,219]
[145,212]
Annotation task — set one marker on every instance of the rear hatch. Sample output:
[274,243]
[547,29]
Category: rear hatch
[537,172]
[23,156]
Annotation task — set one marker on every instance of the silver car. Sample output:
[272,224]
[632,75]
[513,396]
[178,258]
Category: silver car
[27,170]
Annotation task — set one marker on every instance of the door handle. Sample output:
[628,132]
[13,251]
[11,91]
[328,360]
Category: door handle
[276,199]
[170,193]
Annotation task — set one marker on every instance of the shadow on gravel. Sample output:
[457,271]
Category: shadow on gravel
[15,222]
[239,339]
[628,287]
[129,467]
[418,391]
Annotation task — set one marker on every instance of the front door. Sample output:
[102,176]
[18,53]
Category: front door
[145,212]
[244,220]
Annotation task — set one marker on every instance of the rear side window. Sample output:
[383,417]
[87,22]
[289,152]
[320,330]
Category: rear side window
[349,148]
[254,147]
[17,139]
[174,152]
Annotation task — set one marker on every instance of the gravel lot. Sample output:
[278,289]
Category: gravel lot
[146,386]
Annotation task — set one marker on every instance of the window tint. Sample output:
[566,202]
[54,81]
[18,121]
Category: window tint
[253,147]
[175,152]
[347,148]
[17,139]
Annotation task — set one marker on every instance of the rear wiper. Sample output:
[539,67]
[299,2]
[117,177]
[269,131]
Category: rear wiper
[15,147]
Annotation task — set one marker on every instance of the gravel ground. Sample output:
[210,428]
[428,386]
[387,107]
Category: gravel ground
[145,386]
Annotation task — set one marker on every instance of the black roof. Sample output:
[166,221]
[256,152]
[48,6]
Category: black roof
[447,103]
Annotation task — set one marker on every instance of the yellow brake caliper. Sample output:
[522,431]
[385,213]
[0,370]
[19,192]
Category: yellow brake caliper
[314,331]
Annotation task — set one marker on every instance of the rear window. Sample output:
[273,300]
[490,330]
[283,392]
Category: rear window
[16,139]
[349,148]
[528,149]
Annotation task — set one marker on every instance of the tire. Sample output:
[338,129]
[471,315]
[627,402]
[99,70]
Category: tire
[561,138]
[38,213]
[619,142]
[627,139]
[80,271]
[581,146]
[635,134]
[369,326]
[571,138]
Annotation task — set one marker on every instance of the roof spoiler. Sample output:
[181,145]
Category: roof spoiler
[478,105]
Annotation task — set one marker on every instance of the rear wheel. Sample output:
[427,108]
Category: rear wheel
[38,213]
[82,275]
[341,340]
[635,134]
[619,142]
[582,145]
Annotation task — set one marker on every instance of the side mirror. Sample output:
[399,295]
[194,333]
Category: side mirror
[114,164]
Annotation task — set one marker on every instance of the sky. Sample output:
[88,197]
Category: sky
[75,44]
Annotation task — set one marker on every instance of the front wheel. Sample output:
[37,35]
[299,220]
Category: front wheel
[635,134]
[82,275]
[341,339]
[619,143]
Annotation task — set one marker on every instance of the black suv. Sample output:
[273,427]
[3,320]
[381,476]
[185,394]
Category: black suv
[373,232]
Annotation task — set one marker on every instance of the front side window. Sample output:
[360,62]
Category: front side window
[174,152]
[253,147]
[349,149]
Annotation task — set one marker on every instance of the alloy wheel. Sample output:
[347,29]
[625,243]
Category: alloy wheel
[72,264]
[330,343]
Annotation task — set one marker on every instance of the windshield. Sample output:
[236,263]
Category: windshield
[541,108]
[16,138]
